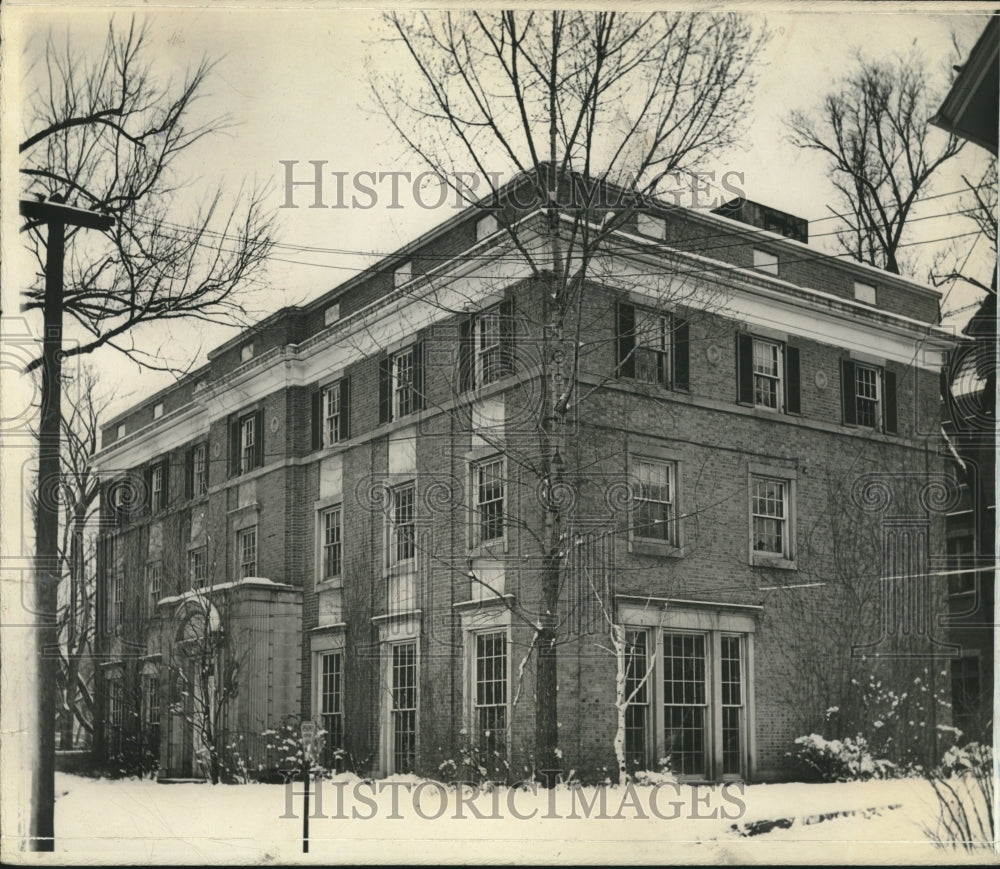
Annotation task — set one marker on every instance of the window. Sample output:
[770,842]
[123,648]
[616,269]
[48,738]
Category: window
[488,485]
[158,410]
[868,396]
[485,227]
[490,701]
[246,442]
[116,599]
[402,274]
[154,579]
[767,374]
[199,470]
[402,384]
[960,552]
[486,352]
[654,501]
[732,704]
[116,716]
[246,352]
[651,225]
[404,707]
[684,702]
[246,545]
[864,293]
[330,414]
[331,699]
[197,567]
[402,528]
[332,552]
[158,486]
[120,431]
[637,693]
[765,261]
[331,314]
[151,711]
[769,516]
[652,346]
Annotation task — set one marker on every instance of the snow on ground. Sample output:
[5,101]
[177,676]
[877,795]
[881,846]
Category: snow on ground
[407,819]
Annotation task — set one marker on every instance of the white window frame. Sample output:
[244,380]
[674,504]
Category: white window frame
[776,357]
[242,535]
[157,472]
[477,519]
[248,442]
[488,344]
[120,431]
[765,261]
[337,694]
[330,412]
[158,410]
[326,545]
[395,542]
[154,578]
[246,352]
[390,707]
[477,705]
[865,293]
[670,467]
[199,470]
[868,401]
[403,368]
[196,556]
[787,479]
[653,348]
[331,314]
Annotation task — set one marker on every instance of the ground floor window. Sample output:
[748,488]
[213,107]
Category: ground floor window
[686,704]
[490,699]
[331,695]
[116,717]
[404,707]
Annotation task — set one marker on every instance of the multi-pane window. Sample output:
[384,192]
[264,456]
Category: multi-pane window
[197,568]
[732,704]
[151,710]
[768,367]
[117,598]
[199,470]
[769,507]
[685,702]
[402,527]
[331,703]
[637,692]
[654,501]
[331,415]
[246,544]
[332,547]
[960,552]
[867,395]
[490,700]
[489,347]
[404,707]
[154,578]
[116,716]
[157,486]
[248,443]
[403,395]
[652,347]
[489,496]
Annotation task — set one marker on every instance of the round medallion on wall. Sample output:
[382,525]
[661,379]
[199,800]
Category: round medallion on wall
[713,354]
[216,450]
[821,380]
[274,424]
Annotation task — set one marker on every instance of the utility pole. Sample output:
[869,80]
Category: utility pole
[57,217]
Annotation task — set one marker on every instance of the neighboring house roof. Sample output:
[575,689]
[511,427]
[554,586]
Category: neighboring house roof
[970,110]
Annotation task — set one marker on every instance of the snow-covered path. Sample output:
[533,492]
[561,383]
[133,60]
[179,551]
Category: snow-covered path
[405,819]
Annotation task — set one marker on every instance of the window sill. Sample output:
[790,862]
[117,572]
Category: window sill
[655,547]
[495,549]
[761,559]
[333,584]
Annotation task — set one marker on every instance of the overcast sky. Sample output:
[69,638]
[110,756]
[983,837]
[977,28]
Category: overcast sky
[296,83]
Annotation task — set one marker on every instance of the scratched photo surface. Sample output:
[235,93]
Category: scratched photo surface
[498,435]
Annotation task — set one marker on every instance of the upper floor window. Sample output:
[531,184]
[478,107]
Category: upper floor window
[331,314]
[330,414]
[485,227]
[486,350]
[154,579]
[246,551]
[770,513]
[765,261]
[401,383]
[488,491]
[246,352]
[768,374]
[402,274]
[864,293]
[158,486]
[199,470]
[120,431]
[332,551]
[402,524]
[246,442]
[651,225]
[868,395]
[158,410]
[654,518]
[652,346]
[197,567]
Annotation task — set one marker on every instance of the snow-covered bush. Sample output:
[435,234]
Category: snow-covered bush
[476,763]
[964,784]
[847,759]
[287,753]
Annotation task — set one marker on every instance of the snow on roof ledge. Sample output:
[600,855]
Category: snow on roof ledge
[246,581]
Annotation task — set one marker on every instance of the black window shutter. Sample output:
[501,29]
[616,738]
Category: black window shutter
[345,408]
[148,477]
[625,335]
[385,389]
[189,473]
[234,446]
[317,418]
[682,355]
[418,376]
[507,335]
[889,401]
[466,366]
[258,445]
[744,368]
[165,491]
[847,393]
[793,403]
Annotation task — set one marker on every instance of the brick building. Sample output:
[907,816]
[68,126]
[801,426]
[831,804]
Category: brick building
[337,515]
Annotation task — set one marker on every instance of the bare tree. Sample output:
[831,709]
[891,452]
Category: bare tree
[873,131]
[573,101]
[104,132]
